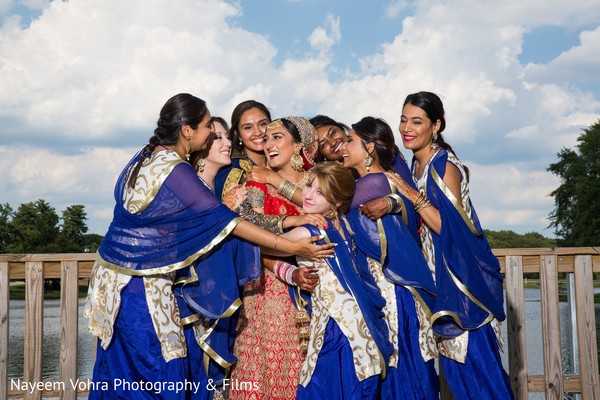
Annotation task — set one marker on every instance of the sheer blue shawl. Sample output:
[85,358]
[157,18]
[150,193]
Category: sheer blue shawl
[364,291]
[391,239]
[183,227]
[470,290]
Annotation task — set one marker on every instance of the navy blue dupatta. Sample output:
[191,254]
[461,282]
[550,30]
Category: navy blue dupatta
[183,227]
[468,276]
[391,239]
[365,292]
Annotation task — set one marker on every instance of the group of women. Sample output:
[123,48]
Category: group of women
[295,258]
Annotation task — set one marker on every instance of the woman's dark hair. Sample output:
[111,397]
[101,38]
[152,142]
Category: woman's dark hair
[180,110]
[236,117]
[377,131]
[323,120]
[197,155]
[292,129]
[434,108]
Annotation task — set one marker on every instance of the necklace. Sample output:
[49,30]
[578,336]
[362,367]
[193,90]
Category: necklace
[303,181]
[206,184]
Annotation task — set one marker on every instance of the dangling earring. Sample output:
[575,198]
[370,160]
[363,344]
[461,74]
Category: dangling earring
[368,161]
[188,149]
[434,139]
[201,164]
[296,160]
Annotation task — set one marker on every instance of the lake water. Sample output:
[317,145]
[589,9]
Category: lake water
[86,343]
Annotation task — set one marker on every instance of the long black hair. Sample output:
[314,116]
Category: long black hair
[180,110]
[377,131]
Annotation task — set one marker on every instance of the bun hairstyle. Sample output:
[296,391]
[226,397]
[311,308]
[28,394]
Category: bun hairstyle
[236,117]
[377,131]
[180,110]
[336,182]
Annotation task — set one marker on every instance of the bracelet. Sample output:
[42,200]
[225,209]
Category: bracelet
[285,272]
[280,223]
[286,189]
[276,237]
[421,202]
[390,205]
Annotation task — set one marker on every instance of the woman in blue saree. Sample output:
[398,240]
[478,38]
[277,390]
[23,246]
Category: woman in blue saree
[348,347]
[388,249]
[470,300]
[171,242]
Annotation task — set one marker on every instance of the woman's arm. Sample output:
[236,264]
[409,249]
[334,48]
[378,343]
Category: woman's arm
[276,245]
[430,214]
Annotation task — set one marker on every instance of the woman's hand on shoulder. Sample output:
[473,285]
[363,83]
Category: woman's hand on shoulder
[306,219]
[403,188]
[262,175]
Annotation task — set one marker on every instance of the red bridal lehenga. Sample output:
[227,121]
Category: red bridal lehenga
[267,341]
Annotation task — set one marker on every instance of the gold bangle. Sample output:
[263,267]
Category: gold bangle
[390,205]
[276,237]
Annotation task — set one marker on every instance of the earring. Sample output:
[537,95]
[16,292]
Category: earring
[368,161]
[434,139]
[296,161]
[188,149]
[201,164]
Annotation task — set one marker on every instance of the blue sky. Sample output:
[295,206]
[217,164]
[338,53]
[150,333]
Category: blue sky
[82,83]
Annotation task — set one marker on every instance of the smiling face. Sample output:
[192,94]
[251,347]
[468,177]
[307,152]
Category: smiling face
[220,150]
[331,140]
[313,200]
[416,128]
[279,147]
[354,153]
[252,130]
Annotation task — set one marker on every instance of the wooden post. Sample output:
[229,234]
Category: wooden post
[34,306]
[69,296]
[4,296]
[551,328]
[515,318]
[586,328]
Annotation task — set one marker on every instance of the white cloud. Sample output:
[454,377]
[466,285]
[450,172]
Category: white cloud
[394,8]
[578,64]
[87,76]
[323,38]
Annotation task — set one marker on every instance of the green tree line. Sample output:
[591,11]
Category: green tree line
[36,227]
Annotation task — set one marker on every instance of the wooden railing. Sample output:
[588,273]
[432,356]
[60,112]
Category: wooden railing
[74,269]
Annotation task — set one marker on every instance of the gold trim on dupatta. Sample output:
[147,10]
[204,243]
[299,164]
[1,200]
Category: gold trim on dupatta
[382,363]
[173,267]
[157,184]
[438,180]
[467,293]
